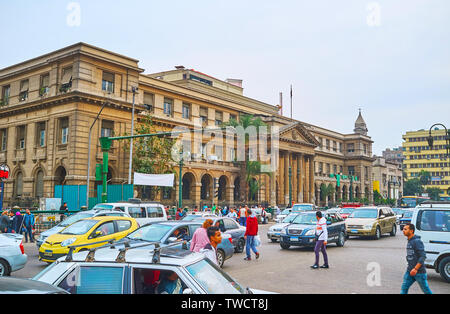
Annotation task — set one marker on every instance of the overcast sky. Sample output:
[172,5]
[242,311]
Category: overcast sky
[389,58]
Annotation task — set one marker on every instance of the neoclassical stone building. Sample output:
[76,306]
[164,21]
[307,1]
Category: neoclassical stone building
[49,103]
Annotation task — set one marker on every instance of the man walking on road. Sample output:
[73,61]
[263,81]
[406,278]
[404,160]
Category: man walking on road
[321,241]
[28,224]
[250,233]
[415,257]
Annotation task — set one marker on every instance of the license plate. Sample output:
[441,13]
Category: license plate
[294,239]
[354,231]
[277,234]
[48,253]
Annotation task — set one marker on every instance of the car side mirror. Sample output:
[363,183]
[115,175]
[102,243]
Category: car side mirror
[97,234]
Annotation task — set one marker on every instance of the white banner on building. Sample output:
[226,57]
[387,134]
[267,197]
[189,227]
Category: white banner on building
[154,179]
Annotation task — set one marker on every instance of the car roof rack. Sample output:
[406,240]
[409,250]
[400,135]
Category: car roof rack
[122,251]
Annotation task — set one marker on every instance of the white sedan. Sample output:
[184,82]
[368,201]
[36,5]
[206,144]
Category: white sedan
[12,254]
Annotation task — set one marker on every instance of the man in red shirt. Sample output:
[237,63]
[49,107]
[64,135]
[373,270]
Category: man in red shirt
[250,234]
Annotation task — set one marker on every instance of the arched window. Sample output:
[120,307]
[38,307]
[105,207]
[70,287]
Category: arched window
[18,185]
[39,184]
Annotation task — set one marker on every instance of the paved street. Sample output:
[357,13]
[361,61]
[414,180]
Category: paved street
[287,271]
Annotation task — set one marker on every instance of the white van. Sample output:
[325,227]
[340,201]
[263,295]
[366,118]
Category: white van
[144,212]
[432,222]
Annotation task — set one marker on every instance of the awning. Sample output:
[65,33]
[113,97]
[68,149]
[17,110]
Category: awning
[154,179]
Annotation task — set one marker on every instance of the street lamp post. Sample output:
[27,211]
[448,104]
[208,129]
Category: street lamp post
[134,90]
[180,182]
[89,154]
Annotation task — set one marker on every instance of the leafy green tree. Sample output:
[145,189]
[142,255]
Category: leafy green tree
[424,177]
[412,187]
[434,193]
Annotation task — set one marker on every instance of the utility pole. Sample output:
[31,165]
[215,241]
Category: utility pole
[134,90]
[180,182]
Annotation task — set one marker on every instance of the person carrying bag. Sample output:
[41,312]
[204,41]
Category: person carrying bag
[321,241]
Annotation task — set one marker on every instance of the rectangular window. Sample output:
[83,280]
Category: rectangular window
[351,170]
[233,117]
[219,118]
[107,128]
[44,84]
[168,106]
[108,82]
[204,116]
[21,135]
[149,101]
[433,220]
[4,139]
[64,130]
[66,80]
[24,86]
[328,144]
[186,111]
[351,148]
[6,92]
[40,134]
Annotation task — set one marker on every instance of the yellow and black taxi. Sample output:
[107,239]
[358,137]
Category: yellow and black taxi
[87,233]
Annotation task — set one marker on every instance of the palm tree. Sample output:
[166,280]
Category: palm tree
[249,169]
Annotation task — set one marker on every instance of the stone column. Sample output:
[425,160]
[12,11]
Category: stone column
[230,195]
[299,178]
[311,178]
[286,178]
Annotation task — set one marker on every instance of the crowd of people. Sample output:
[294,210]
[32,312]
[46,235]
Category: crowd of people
[12,221]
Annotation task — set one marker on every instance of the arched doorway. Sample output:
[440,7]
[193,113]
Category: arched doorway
[222,188]
[237,190]
[18,185]
[253,190]
[39,184]
[357,194]
[60,175]
[188,184]
[206,190]
[344,193]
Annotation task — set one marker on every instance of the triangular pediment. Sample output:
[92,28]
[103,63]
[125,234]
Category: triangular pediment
[297,133]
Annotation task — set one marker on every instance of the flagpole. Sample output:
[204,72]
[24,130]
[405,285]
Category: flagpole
[291,101]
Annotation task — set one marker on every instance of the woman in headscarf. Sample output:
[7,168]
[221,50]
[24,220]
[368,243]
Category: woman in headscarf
[200,237]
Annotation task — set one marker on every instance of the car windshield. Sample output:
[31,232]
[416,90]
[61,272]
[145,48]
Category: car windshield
[103,206]
[305,219]
[151,233]
[365,213]
[74,218]
[79,227]
[347,210]
[289,218]
[408,214]
[302,207]
[213,279]
[286,212]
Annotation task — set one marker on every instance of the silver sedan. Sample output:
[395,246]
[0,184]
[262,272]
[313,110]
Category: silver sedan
[12,254]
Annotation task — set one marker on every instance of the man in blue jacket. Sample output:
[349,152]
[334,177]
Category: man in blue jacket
[416,258]
[28,224]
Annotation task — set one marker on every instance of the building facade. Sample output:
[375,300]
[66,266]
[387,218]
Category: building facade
[420,156]
[388,178]
[50,103]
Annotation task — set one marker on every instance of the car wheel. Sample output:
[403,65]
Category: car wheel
[341,240]
[4,268]
[394,230]
[241,246]
[220,257]
[378,233]
[285,246]
[444,268]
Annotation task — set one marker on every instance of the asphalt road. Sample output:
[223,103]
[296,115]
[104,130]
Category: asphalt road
[353,268]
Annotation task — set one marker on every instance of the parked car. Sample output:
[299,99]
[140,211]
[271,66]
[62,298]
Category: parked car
[274,232]
[432,221]
[304,207]
[139,271]
[279,218]
[302,230]
[262,218]
[346,211]
[334,211]
[76,217]
[27,286]
[166,233]
[144,212]
[406,218]
[372,222]
[87,232]
[230,226]
[194,215]
[12,253]
[398,213]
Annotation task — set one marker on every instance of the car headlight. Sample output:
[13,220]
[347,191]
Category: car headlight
[283,231]
[370,226]
[68,242]
[310,232]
